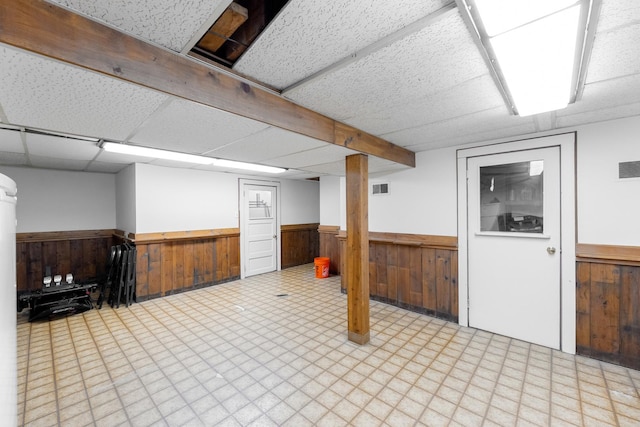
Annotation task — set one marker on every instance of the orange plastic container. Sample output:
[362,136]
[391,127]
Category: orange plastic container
[322,267]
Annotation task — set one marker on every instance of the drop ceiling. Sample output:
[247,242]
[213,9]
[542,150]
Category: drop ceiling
[407,71]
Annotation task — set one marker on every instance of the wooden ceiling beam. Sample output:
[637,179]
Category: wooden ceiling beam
[55,32]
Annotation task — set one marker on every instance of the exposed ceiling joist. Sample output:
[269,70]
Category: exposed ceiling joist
[52,31]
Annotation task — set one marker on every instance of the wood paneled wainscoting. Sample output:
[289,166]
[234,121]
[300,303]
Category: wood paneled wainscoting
[173,262]
[608,303]
[330,246]
[416,272]
[300,244]
[81,253]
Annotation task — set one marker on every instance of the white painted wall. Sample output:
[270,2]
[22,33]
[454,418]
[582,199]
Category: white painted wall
[329,203]
[608,207]
[420,200]
[300,201]
[423,200]
[52,200]
[126,200]
[171,199]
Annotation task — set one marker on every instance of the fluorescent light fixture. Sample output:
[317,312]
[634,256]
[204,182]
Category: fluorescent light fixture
[499,16]
[534,43]
[247,166]
[136,150]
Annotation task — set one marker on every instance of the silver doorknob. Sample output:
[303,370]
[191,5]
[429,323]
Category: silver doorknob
[274,236]
[551,250]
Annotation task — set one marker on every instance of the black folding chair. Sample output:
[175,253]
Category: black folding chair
[130,282]
[106,283]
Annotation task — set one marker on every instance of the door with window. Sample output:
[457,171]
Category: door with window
[259,229]
[514,244]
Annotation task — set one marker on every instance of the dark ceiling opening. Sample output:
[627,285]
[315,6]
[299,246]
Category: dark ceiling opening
[236,29]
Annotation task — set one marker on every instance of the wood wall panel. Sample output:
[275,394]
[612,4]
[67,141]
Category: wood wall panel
[416,272]
[168,266]
[330,246]
[300,244]
[608,312]
[81,253]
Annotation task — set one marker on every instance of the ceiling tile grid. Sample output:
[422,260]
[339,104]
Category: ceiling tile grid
[439,57]
[46,94]
[193,128]
[103,167]
[605,94]
[477,94]
[463,128]
[301,160]
[265,145]
[309,35]
[168,23]
[609,113]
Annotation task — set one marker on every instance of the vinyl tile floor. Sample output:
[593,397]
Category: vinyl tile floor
[272,350]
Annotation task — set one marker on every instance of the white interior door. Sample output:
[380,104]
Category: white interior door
[514,244]
[260,229]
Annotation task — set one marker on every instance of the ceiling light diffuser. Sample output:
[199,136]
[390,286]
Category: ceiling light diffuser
[136,150]
[534,45]
[247,166]
[537,61]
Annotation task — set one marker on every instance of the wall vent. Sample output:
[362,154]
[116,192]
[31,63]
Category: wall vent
[382,188]
[629,170]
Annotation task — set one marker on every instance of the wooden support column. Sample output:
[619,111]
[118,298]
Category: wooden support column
[357,255]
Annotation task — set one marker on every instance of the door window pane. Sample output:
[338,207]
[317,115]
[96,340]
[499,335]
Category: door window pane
[511,197]
[260,204]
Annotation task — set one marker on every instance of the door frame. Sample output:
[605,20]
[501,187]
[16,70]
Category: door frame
[566,142]
[242,182]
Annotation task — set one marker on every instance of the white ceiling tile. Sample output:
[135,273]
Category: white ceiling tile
[11,141]
[60,148]
[378,165]
[268,144]
[616,13]
[193,128]
[439,57]
[605,94]
[13,159]
[469,128]
[168,23]
[103,167]
[474,95]
[608,113]
[52,163]
[307,35]
[298,174]
[615,54]
[46,94]
[333,168]
[125,159]
[327,154]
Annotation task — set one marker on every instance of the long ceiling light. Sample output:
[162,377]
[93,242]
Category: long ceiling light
[136,150]
[246,166]
[536,47]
